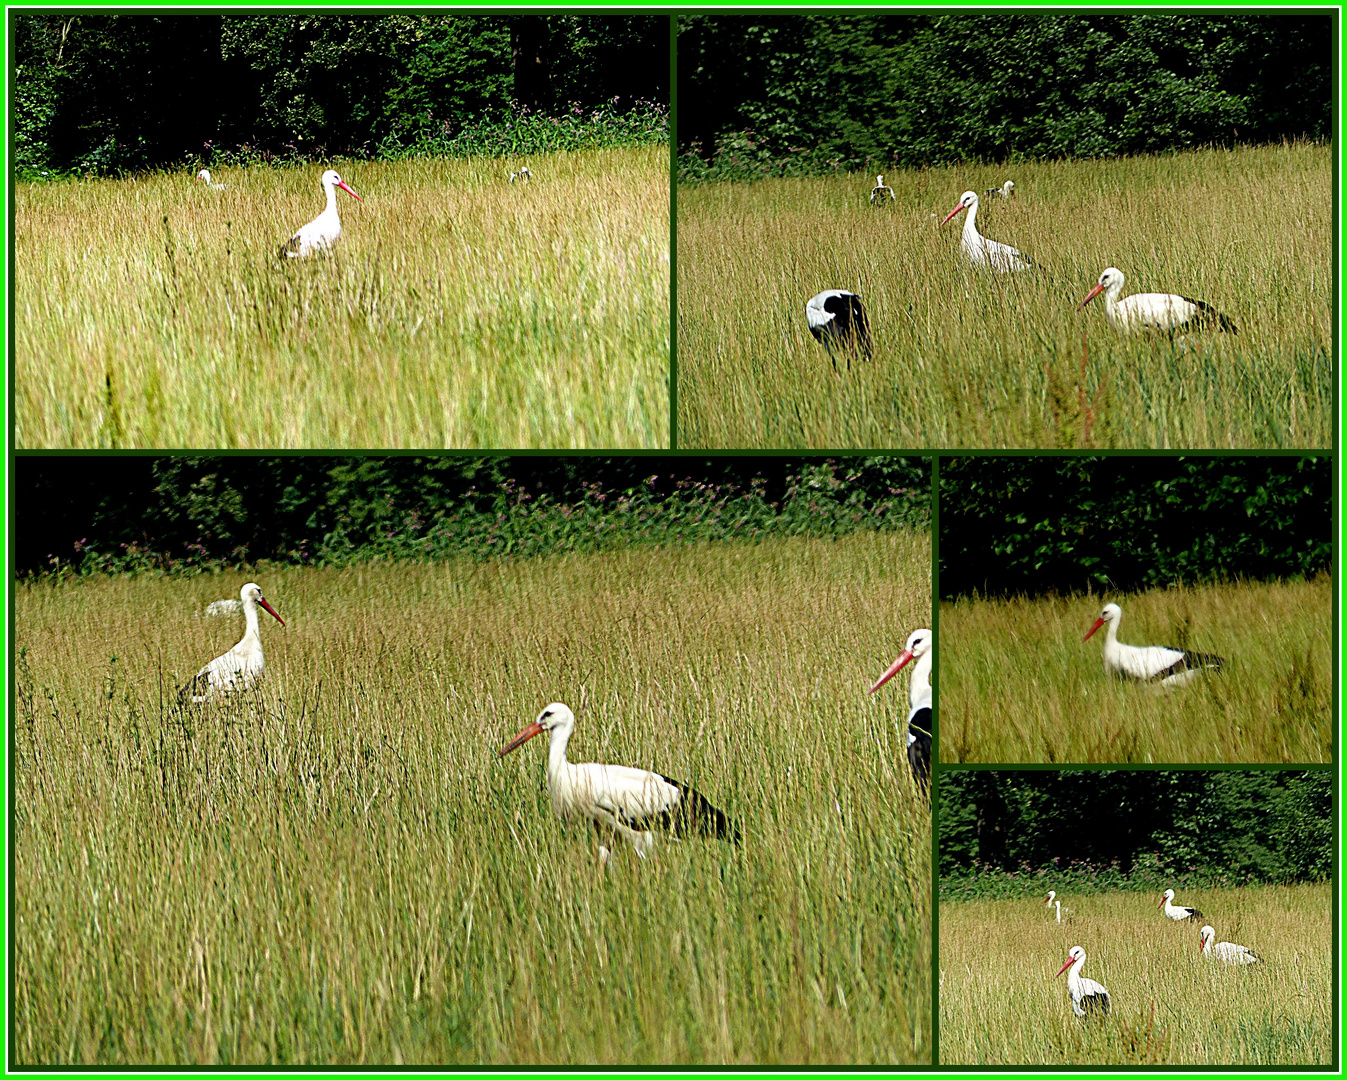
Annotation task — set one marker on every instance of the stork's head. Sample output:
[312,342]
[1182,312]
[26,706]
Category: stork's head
[551,718]
[879,181]
[1110,281]
[918,644]
[251,595]
[1051,897]
[1166,898]
[967,202]
[203,177]
[1111,614]
[1205,939]
[1075,956]
[1009,188]
[332,180]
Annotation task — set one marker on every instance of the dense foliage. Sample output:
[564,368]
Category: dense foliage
[107,93]
[1033,525]
[794,95]
[185,515]
[1022,833]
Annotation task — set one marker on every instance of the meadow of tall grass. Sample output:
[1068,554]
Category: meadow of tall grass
[1000,1003]
[338,869]
[456,310]
[969,359]
[1017,683]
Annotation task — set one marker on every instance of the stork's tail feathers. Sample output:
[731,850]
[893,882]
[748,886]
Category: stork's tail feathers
[1211,317]
[696,815]
[1194,915]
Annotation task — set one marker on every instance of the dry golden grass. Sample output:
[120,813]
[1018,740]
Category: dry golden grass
[1017,684]
[968,359]
[1001,1005]
[457,309]
[342,872]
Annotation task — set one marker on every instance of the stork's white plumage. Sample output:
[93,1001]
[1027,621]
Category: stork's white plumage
[880,192]
[242,665]
[1167,667]
[1175,911]
[322,232]
[619,800]
[1088,998]
[218,609]
[837,317]
[983,252]
[1155,312]
[1225,950]
[1053,902]
[521,174]
[203,177]
[919,647]
[1005,191]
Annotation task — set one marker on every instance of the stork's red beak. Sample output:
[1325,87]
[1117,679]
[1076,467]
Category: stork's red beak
[1093,293]
[263,601]
[1161,903]
[519,740]
[1097,624]
[894,668]
[951,213]
[346,188]
[1069,961]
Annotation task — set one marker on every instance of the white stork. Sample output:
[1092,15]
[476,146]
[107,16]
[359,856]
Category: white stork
[1165,666]
[1175,911]
[322,232]
[203,177]
[1088,998]
[1005,191]
[838,316]
[1224,950]
[1162,313]
[918,647]
[983,252]
[242,665]
[616,799]
[521,175]
[1052,901]
[879,191]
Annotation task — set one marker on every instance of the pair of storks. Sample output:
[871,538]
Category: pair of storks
[631,804]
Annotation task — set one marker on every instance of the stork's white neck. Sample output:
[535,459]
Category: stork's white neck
[919,687]
[556,752]
[251,637]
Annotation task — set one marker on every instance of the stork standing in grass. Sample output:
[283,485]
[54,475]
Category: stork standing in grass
[1163,313]
[322,232]
[919,647]
[1176,911]
[242,665]
[1005,191]
[520,175]
[1088,998]
[837,318]
[1053,902]
[983,252]
[880,192]
[203,177]
[1167,667]
[1225,950]
[619,801]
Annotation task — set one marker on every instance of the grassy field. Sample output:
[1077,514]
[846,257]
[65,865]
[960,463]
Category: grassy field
[968,359]
[342,872]
[1018,685]
[457,310]
[1001,1005]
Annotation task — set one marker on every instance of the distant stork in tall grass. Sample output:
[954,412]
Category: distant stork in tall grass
[918,647]
[1225,950]
[1167,667]
[242,665]
[983,252]
[1005,191]
[1178,912]
[520,175]
[880,192]
[837,318]
[203,177]
[322,232]
[1164,313]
